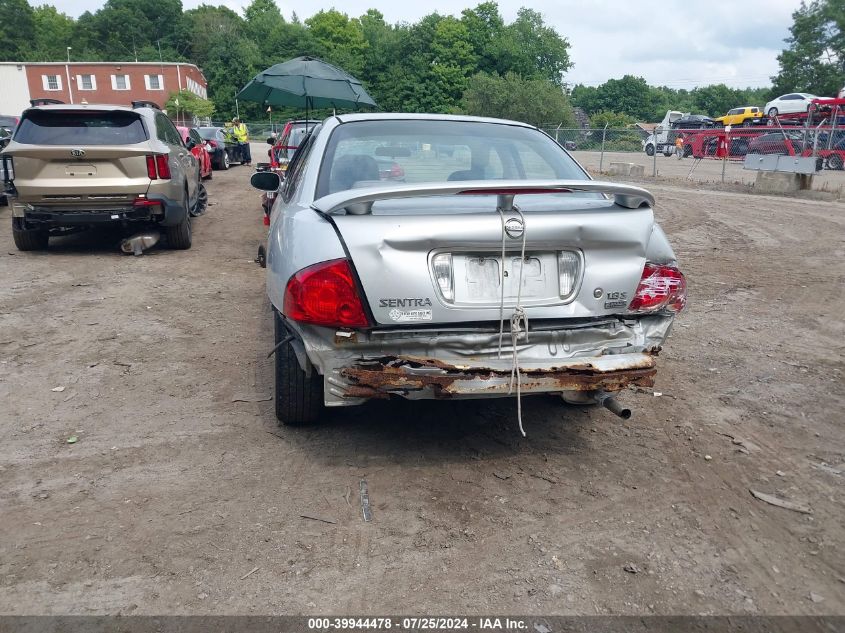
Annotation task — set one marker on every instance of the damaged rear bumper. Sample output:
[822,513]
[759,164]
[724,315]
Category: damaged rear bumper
[417,377]
[563,357]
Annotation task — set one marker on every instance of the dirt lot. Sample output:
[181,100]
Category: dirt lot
[707,171]
[175,492]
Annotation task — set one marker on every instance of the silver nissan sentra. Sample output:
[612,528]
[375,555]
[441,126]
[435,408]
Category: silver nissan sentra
[433,256]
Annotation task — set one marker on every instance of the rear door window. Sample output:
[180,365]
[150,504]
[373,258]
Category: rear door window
[58,127]
[167,132]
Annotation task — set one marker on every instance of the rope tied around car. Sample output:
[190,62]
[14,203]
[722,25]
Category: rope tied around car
[518,320]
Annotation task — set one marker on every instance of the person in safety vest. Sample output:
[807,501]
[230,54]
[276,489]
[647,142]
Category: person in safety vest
[241,133]
[679,146]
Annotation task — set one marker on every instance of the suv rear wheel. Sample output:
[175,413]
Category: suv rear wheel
[28,239]
[179,236]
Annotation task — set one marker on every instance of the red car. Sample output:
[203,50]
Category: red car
[198,148]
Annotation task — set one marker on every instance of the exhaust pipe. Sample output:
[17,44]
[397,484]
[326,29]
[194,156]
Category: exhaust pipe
[612,404]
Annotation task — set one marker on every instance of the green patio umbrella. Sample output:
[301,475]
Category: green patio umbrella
[306,82]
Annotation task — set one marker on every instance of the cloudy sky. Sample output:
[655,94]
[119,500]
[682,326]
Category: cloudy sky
[669,42]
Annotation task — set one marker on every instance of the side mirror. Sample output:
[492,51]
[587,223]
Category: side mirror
[271,141]
[190,143]
[266,181]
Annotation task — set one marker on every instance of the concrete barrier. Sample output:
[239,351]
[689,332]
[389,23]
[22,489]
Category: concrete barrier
[627,169]
[782,182]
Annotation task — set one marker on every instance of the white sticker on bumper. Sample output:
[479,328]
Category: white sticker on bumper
[405,316]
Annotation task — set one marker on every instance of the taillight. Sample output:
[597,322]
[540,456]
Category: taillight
[325,294]
[157,167]
[162,166]
[661,287]
[212,143]
[151,167]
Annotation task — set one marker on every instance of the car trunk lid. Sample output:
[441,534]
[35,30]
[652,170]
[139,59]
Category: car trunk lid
[64,156]
[433,260]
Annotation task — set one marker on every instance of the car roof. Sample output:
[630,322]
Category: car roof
[109,107]
[400,116]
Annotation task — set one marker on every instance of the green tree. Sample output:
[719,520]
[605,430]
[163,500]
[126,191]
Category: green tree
[342,39]
[717,99]
[485,29]
[54,31]
[263,21]
[126,29]
[208,26]
[814,60]
[538,50]
[17,30]
[535,101]
[630,95]
[611,119]
[183,104]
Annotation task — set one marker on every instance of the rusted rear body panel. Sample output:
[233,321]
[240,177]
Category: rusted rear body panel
[594,355]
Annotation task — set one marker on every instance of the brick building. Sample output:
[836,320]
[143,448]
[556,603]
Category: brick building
[95,82]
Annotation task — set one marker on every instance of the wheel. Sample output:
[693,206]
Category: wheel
[773,112]
[667,153]
[747,124]
[261,258]
[834,161]
[819,163]
[649,149]
[298,398]
[202,201]
[180,236]
[224,162]
[28,239]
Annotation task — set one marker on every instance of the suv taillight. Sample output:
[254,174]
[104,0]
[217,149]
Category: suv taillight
[661,287]
[162,166]
[325,294]
[158,167]
[151,167]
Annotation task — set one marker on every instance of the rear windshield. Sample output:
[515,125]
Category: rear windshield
[54,127]
[365,153]
[8,122]
[208,133]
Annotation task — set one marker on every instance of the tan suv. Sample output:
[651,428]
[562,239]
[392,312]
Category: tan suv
[72,167]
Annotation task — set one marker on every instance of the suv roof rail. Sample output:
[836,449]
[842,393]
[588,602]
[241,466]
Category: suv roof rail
[44,101]
[146,104]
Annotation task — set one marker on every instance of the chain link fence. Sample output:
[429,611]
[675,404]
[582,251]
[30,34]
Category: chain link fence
[709,155]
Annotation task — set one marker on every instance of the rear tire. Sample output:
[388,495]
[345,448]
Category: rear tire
[834,161]
[28,239]
[298,397]
[180,237]
[649,150]
[202,201]
[224,162]
[773,112]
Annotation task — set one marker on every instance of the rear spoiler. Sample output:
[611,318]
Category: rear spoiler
[360,201]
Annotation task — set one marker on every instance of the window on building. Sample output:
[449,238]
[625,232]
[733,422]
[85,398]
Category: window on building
[51,82]
[86,82]
[120,82]
[154,82]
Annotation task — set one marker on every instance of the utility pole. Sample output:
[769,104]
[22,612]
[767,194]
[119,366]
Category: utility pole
[67,74]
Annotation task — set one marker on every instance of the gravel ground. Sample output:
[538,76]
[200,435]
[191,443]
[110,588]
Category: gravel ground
[707,171]
[182,496]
